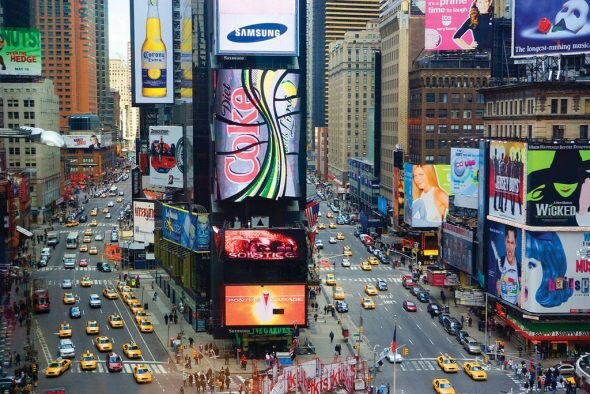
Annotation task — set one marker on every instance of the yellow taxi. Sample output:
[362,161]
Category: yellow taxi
[146,326]
[85,281]
[373,260]
[330,280]
[57,367]
[332,225]
[141,315]
[142,374]
[475,371]
[365,266]
[92,327]
[73,223]
[330,215]
[135,307]
[94,212]
[442,386]
[65,330]
[347,251]
[339,293]
[447,363]
[129,298]
[340,237]
[110,293]
[105,210]
[121,284]
[371,290]
[115,320]
[103,344]
[119,199]
[321,226]
[88,233]
[83,248]
[131,350]
[87,240]
[88,361]
[93,223]
[69,298]
[93,250]
[367,303]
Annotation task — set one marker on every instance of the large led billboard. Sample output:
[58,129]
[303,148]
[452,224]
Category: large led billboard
[257,27]
[458,25]
[504,262]
[550,27]
[558,185]
[20,51]
[257,129]
[556,276]
[265,305]
[143,222]
[187,229]
[166,156]
[464,176]
[426,188]
[506,180]
[88,141]
[457,247]
[152,45]
[264,245]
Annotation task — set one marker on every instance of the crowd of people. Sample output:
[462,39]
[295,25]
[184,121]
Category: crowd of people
[537,380]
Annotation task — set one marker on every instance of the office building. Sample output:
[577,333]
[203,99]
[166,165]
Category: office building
[120,80]
[102,63]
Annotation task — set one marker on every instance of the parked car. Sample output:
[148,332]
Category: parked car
[103,267]
[423,296]
[471,345]
[434,309]
[452,325]
[461,335]
[341,306]
[319,244]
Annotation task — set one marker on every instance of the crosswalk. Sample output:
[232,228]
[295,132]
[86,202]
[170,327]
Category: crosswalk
[61,268]
[358,268]
[84,225]
[156,368]
[391,279]
[97,282]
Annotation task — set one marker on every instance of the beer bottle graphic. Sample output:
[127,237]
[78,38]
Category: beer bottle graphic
[186,53]
[153,55]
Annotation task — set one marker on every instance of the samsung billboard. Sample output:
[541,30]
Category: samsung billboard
[257,27]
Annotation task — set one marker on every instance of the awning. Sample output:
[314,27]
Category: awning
[24,231]
[550,331]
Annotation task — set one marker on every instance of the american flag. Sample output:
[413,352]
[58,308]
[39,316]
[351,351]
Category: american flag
[311,213]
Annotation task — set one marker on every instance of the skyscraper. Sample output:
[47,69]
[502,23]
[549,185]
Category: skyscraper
[68,43]
[102,62]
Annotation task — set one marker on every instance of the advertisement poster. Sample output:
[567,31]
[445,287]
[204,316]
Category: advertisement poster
[20,51]
[399,195]
[166,156]
[143,221]
[506,186]
[257,133]
[504,262]
[189,230]
[558,185]
[464,176]
[153,73]
[88,141]
[186,53]
[556,276]
[264,305]
[257,27]
[457,247]
[458,25]
[426,188]
[275,245]
[552,27]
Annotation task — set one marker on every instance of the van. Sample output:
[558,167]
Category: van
[452,325]
[69,260]
[66,348]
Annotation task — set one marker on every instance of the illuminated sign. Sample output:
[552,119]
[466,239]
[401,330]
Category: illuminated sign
[264,244]
[186,229]
[265,305]
[20,51]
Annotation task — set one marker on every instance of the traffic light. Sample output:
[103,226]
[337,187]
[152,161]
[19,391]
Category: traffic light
[405,351]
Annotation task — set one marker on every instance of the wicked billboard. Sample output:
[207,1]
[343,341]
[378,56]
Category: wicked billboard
[558,179]
[506,186]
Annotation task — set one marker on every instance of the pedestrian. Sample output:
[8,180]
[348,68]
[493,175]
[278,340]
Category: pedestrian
[331,336]
[171,317]
[315,317]
[462,320]
[175,319]
[469,321]
[17,359]
[240,388]
[166,319]
[181,390]
[325,309]
[155,296]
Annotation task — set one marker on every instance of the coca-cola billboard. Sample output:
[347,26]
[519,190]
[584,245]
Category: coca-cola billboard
[252,244]
[257,134]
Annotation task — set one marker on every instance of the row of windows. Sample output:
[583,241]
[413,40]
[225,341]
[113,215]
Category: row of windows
[444,113]
[455,98]
[455,128]
[15,103]
[517,131]
[28,151]
[442,159]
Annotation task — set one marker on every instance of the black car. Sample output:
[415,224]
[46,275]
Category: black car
[460,335]
[75,312]
[103,267]
[370,249]
[384,259]
[434,309]
[341,306]
[357,232]
[442,317]
[382,285]
[83,218]
[6,382]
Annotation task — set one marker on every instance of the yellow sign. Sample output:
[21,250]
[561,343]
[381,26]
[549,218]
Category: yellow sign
[405,351]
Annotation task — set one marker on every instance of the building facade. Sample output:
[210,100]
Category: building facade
[351,98]
[364,186]
[104,101]
[316,16]
[321,144]
[120,80]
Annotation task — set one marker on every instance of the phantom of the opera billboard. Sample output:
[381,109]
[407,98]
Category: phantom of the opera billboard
[267,245]
[506,174]
[426,188]
[257,129]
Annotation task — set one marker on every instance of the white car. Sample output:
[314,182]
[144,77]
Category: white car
[319,214]
[66,284]
[111,204]
[319,244]
[46,252]
[99,237]
[108,216]
[345,263]
[333,240]
[393,357]
[94,301]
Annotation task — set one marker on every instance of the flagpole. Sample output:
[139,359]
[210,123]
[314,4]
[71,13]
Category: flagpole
[395,354]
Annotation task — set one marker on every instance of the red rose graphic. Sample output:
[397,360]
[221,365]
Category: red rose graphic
[544,25]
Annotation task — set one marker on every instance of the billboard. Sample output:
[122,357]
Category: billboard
[457,247]
[88,141]
[257,134]
[458,25]
[166,160]
[399,196]
[506,180]
[265,305]
[426,189]
[143,222]
[464,176]
[504,262]
[186,53]
[542,28]
[257,27]
[20,51]
[558,185]
[153,73]
[187,229]
[556,276]
[270,245]
[382,205]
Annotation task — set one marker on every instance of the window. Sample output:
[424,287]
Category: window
[479,99]
[587,106]
[430,112]
[454,114]
[467,128]
[467,114]
[468,97]
[455,98]
[584,131]
[563,107]
[443,97]
[443,113]
[442,128]
[558,131]
[442,144]
[455,128]
[430,97]
[479,128]
[429,128]
[554,106]
[429,159]
[429,144]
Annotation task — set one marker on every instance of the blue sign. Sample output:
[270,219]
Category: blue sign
[187,229]
[257,32]
[382,205]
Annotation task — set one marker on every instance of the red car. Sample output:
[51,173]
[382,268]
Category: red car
[114,362]
[409,306]
[83,263]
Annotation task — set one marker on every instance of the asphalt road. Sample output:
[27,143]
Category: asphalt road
[424,336]
[45,329]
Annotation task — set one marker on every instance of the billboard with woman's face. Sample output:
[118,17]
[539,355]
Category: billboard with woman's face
[427,188]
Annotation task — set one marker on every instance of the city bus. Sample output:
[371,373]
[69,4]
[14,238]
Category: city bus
[39,296]
[52,238]
[72,240]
